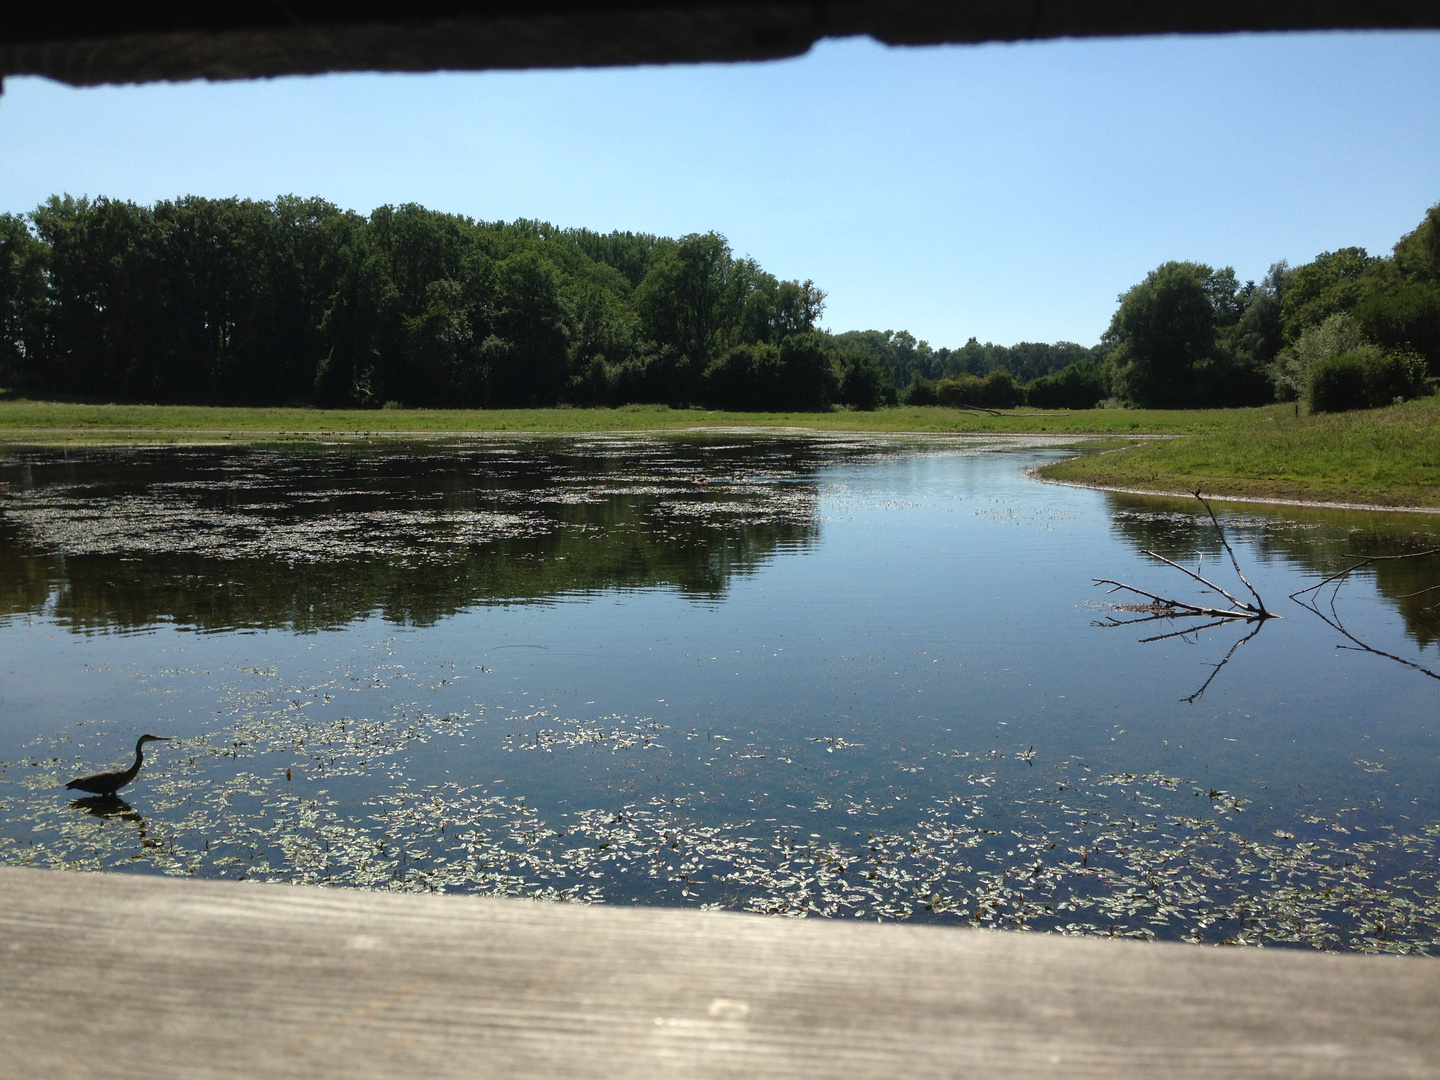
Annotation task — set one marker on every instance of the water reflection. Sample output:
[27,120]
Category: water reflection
[1323,600]
[1320,542]
[108,806]
[217,539]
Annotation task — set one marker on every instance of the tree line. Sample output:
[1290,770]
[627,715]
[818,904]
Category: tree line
[1189,335]
[290,301]
[1346,330]
[240,301]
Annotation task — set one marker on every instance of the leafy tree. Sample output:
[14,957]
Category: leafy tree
[1417,253]
[862,381]
[772,309]
[533,321]
[1337,334]
[1080,385]
[362,327]
[690,298]
[1258,334]
[23,311]
[1333,283]
[1164,330]
[1400,309]
[107,289]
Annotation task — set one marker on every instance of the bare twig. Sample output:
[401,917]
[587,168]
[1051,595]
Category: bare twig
[1417,592]
[1204,581]
[1179,608]
[1187,631]
[1165,607]
[1231,552]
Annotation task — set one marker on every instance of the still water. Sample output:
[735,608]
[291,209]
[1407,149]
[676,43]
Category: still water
[853,677]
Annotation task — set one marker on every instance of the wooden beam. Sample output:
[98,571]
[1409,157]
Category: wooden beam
[146,40]
[110,975]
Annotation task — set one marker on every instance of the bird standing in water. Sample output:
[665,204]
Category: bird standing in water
[107,783]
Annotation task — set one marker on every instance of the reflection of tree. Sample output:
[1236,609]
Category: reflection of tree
[675,515]
[109,591]
[1315,540]
[1312,598]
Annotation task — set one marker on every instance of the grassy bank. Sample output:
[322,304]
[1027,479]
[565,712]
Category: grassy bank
[1385,457]
[22,421]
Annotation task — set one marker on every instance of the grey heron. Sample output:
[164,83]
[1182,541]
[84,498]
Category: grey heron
[107,783]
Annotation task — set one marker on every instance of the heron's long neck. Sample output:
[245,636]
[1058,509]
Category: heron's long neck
[139,759]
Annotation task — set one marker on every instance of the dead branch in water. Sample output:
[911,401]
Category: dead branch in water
[1166,607]
[1233,561]
[1242,611]
[1334,621]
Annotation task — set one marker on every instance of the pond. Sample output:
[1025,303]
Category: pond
[843,676]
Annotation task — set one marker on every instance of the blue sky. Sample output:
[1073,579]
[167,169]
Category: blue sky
[1008,192]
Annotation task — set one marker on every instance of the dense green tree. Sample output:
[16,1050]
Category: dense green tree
[532,320]
[1333,283]
[1254,339]
[691,298]
[1162,333]
[1080,385]
[1400,308]
[23,311]
[899,350]
[862,381]
[362,327]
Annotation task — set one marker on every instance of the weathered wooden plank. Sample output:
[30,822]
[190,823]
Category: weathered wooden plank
[105,975]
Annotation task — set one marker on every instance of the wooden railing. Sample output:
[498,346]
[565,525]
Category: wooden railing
[115,975]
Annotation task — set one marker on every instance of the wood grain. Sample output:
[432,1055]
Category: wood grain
[109,975]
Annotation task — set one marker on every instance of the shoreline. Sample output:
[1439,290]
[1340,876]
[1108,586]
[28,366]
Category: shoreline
[1034,473]
[19,437]
[173,437]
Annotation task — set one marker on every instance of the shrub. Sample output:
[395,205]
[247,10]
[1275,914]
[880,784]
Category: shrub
[738,380]
[1002,391]
[921,391]
[862,381]
[1080,386]
[1291,370]
[961,390]
[998,390]
[1364,378]
[797,376]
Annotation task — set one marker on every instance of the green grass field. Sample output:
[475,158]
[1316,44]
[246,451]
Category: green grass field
[23,421]
[1387,457]
[1383,457]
